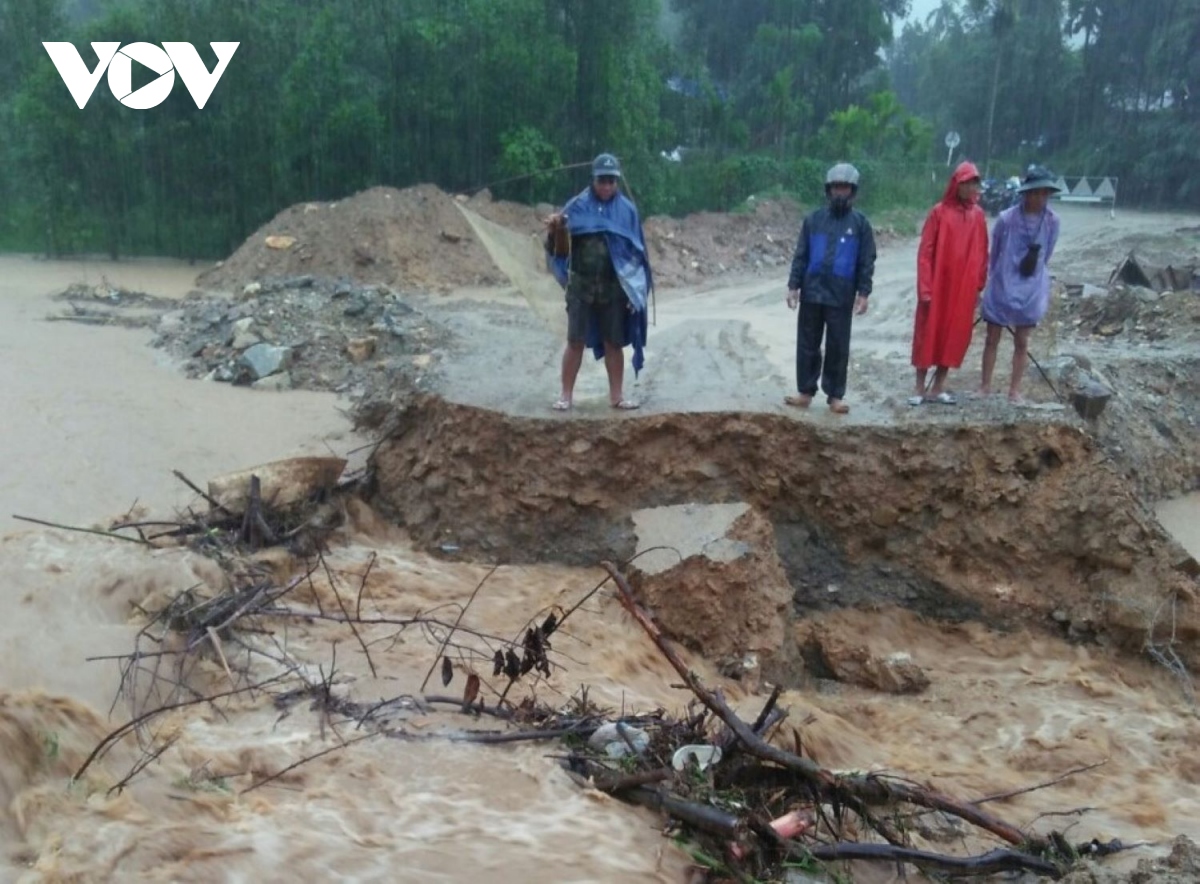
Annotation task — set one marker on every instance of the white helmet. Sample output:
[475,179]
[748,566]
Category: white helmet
[842,173]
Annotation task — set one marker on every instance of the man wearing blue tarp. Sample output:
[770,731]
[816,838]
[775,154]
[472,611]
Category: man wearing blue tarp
[606,275]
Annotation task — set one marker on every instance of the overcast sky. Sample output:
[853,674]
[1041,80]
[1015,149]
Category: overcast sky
[921,9]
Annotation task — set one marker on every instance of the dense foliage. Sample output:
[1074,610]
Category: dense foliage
[1095,87]
[326,97]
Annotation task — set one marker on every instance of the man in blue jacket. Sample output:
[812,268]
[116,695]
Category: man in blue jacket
[832,273]
[607,280]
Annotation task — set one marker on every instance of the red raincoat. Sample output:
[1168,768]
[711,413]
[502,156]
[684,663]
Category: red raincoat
[951,272]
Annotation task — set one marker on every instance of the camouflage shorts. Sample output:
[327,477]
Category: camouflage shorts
[597,300]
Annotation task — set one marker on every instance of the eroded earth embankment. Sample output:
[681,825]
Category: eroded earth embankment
[1009,523]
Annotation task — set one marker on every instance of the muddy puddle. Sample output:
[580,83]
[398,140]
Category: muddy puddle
[1181,516]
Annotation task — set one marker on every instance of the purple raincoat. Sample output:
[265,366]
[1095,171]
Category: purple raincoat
[1010,298]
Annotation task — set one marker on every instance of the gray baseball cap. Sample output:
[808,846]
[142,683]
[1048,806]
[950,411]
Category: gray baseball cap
[606,165]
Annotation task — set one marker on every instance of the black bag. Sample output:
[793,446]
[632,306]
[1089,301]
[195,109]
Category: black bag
[558,238]
[1028,264]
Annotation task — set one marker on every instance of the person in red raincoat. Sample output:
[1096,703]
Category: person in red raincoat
[951,273]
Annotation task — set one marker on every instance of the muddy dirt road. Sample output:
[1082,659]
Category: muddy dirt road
[730,344]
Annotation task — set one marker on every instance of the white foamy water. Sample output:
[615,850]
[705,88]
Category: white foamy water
[1003,712]
[437,809]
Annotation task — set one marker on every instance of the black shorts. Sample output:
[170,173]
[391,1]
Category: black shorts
[602,301]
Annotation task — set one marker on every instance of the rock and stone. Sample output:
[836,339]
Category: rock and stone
[728,595]
[264,360]
[831,655]
[361,349]
[275,383]
[243,337]
[1090,399]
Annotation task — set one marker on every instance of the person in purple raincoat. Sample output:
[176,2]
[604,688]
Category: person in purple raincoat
[1018,290]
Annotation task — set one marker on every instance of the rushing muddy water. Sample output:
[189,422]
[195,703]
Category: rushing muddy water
[93,419]
[96,423]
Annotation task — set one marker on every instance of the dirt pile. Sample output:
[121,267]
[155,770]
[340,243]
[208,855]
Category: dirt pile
[519,217]
[1141,346]
[1027,524]
[1132,313]
[413,238]
[314,333]
[417,239]
[689,250]
[1150,427]
[715,583]
[685,251]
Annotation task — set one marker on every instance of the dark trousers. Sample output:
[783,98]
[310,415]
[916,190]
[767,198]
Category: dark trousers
[833,323]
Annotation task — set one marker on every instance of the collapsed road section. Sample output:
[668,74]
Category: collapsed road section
[1015,523]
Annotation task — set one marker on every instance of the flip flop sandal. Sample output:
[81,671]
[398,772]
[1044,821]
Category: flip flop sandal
[915,400]
[945,399]
[626,405]
[561,405]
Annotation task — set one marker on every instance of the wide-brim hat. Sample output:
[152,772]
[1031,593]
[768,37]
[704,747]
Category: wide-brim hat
[1038,179]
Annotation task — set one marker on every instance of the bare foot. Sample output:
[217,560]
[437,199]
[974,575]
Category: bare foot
[1017,399]
[800,400]
[837,406]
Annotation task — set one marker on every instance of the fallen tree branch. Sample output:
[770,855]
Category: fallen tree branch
[990,863]
[498,737]
[307,759]
[703,817]
[614,784]
[213,502]
[760,723]
[133,723]
[363,585]
[871,789]
[255,532]
[462,613]
[346,613]
[139,541]
[145,761]
[494,711]
[1002,796]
